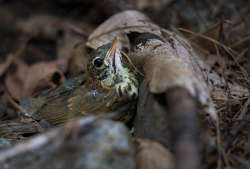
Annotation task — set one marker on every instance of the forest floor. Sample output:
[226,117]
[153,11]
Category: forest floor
[34,53]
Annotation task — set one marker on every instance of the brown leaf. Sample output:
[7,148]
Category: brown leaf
[42,75]
[15,78]
[66,32]
[72,49]
[152,155]
[23,80]
[4,66]
[78,60]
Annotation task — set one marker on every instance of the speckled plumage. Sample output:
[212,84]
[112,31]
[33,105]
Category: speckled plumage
[106,88]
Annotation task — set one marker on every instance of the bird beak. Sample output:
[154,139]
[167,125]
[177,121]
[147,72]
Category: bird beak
[112,54]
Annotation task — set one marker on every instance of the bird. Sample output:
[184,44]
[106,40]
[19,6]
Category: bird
[110,83]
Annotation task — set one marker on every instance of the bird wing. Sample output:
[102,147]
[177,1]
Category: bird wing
[91,101]
[53,107]
[81,101]
[55,110]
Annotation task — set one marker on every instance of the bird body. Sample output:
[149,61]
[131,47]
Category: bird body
[110,83]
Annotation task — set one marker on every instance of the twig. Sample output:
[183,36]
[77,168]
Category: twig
[229,50]
[244,109]
[236,131]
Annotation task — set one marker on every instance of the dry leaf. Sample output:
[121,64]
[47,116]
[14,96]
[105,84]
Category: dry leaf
[4,66]
[72,49]
[26,80]
[152,155]
[166,63]
[124,22]
[23,80]
[41,76]
[15,78]
[78,60]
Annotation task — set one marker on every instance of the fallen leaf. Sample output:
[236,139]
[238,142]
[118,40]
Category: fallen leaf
[121,23]
[41,76]
[27,79]
[15,76]
[167,61]
[78,60]
[71,48]
[23,80]
[4,66]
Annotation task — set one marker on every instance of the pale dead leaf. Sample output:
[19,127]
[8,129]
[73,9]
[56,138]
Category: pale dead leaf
[173,63]
[166,63]
[124,22]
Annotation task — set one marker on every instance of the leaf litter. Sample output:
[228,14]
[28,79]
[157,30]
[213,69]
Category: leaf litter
[224,64]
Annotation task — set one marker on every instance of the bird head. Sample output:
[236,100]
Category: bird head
[108,66]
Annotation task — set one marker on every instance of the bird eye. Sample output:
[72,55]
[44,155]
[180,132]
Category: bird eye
[98,62]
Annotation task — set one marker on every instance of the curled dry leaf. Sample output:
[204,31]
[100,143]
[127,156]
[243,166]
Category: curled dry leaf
[152,155]
[167,61]
[23,80]
[125,22]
